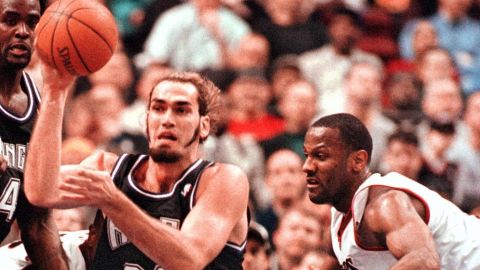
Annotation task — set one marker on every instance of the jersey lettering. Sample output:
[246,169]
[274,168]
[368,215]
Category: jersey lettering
[348,265]
[116,238]
[9,198]
[14,154]
[134,266]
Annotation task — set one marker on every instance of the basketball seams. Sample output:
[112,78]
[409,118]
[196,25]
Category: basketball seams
[67,25]
[52,51]
[76,48]
[70,16]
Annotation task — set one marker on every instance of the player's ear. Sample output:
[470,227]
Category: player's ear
[204,126]
[359,160]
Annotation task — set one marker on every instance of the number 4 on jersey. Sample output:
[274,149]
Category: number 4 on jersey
[9,198]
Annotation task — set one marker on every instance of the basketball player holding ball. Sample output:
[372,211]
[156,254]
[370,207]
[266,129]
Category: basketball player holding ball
[19,102]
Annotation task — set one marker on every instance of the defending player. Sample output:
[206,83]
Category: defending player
[169,209]
[19,100]
[382,222]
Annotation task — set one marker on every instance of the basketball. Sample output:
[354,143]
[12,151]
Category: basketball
[76,36]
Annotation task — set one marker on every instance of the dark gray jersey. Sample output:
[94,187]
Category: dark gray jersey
[114,251]
[15,134]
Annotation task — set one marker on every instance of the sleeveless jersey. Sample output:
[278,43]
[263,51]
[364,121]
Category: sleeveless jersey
[15,134]
[114,251]
[14,257]
[456,234]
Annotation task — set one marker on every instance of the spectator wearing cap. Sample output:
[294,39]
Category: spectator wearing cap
[258,249]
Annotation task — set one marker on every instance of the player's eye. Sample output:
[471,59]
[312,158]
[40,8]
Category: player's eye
[11,21]
[32,23]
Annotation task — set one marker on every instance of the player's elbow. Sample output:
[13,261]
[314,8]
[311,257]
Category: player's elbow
[37,200]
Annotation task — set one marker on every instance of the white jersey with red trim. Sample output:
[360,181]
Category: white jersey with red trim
[14,257]
[456,234]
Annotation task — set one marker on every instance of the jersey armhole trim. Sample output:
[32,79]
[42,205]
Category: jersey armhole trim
[409,192]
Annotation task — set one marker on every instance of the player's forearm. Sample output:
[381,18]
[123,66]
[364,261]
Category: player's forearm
[419,259]
[42,243]
[162,244]
[43,160]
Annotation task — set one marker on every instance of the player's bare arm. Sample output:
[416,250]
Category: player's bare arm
[38,229]
[395,216]
[42,168]
[220,208]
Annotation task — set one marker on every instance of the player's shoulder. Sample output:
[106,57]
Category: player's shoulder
[229,174]
[219,168]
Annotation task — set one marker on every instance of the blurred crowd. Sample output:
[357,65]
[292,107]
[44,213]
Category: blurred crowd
[410,70]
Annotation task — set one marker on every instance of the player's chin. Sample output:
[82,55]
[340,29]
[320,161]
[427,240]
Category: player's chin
[18,62]
[316,197]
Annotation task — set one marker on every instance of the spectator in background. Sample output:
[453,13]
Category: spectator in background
[362,90]
[459,34]
[76,149]
[129,16]
[435,64]
[465,152]
[318,260]
[437,172]
[283,71]
[297,233]
[403,99]
[327,66]
[298,107]
[424,38]
[258,249]
[107,104]
[251,54]
[251,57]
[249,97]
[193,36]
[442,102]
[402,155]
[132,118]
[243,151]
[284,178]
[73,219]
[289,27]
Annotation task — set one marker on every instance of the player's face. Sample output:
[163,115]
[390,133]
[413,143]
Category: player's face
[18,19]
[326,165]
[173,122]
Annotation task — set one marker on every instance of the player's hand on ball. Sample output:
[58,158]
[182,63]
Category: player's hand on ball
[54,81]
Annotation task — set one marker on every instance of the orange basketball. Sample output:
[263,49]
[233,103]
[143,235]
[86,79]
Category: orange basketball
[76,36]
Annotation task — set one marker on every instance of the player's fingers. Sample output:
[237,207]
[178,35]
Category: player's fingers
[74,188]
[94,175]
[81,199]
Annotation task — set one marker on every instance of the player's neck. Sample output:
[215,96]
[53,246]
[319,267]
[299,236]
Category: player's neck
[161,177]
[344,204]
[9,82]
